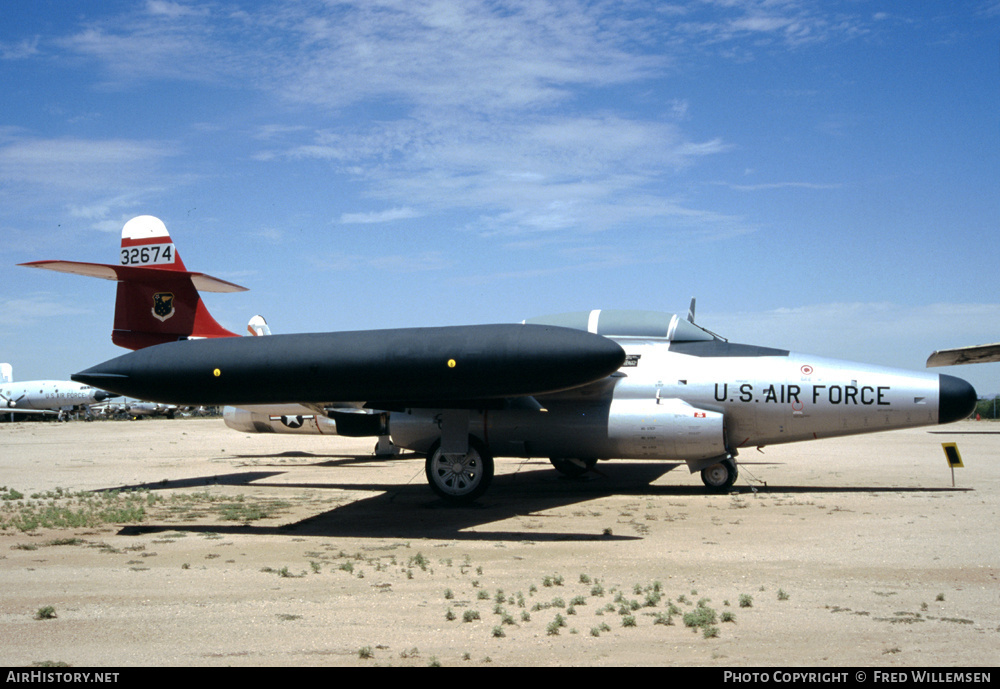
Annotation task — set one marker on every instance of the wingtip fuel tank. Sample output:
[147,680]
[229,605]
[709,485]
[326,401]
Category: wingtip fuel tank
[403,365]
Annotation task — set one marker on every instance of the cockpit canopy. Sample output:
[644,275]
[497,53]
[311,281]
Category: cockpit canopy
[626,323]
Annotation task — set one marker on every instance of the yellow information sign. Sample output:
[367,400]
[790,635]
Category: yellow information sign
[952,455]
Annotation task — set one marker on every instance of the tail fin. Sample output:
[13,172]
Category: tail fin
[6,373]
[158,299]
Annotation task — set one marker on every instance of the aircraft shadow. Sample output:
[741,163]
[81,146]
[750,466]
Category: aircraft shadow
[412,511]
[329,459]
[247,477]
[243,478]
[833,490]
[964,432]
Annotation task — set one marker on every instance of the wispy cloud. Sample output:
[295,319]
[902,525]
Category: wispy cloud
[720,24]
[173,10]
[389,215]
[552,174]
[37,307]
[521,111]
[27,47]
[425,261]
[74,163]
[480,57]
[769,186]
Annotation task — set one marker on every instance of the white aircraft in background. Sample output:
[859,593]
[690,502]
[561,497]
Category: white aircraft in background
[46,396]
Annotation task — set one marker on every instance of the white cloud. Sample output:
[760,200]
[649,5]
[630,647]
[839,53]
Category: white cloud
[33,308]
[517,110]
[531,174]
[375,263]
[378,216]
[81,164]
[479,57]
[173,10]
[768,186]
[27,47]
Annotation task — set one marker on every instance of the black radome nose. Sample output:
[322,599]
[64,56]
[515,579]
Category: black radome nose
[956,400]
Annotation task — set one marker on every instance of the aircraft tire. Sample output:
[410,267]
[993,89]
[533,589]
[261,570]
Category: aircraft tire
[573,467]
[462,482]
[720,477]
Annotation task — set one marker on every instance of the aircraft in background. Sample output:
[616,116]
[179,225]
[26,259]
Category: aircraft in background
[976,354]
[139,408]
[575,388]
[55,397]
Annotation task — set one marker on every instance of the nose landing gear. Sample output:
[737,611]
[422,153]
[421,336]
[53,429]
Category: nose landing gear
[720,477]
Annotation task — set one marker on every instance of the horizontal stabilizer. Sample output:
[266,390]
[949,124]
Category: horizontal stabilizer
[107,271]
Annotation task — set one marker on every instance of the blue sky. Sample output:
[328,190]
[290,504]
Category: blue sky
[822,176]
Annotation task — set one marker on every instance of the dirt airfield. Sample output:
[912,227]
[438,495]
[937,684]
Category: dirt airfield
[270,550]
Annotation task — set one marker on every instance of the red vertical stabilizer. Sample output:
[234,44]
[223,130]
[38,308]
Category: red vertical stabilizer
[158,299]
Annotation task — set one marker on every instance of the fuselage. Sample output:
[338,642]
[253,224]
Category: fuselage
[769,396]
[38,395]
[699,399]
[631,385]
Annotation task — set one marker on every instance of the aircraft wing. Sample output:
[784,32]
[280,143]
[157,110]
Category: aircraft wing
[21,410]
[107,271]
[976,354]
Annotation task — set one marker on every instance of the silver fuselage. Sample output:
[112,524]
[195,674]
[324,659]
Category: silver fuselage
[664,404]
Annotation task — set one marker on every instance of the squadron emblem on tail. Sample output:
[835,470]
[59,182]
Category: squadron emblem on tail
[163,306]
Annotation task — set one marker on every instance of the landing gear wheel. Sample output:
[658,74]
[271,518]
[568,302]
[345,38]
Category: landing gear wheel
[720,477]
[462,479]
[573,466]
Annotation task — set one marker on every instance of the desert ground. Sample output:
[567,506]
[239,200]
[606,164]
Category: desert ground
[276,550]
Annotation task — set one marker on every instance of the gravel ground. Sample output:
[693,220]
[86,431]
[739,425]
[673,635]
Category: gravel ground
[264,550]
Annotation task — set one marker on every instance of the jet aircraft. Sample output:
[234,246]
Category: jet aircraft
[576,388]
[140,408]
[55,397]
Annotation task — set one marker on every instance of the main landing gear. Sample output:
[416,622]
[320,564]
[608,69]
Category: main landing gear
[720,477]
[460,478]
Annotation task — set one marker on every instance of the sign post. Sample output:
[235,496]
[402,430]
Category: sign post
[954,458]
